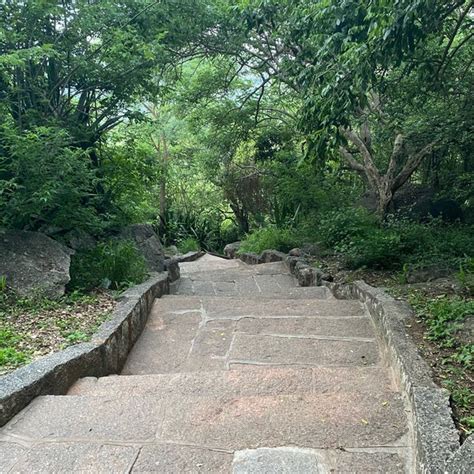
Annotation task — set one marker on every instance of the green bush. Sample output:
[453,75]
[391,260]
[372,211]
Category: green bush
[377,249]
[113,264]
[188,245]
[269,238]
[344,225]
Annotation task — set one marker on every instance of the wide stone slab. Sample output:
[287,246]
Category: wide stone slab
[163,346]
[302,351]
[236,308]
[243,382]
[76,457]
[64,418]
[327,420]
[355,328]
[265,286]
[291,460]
[168,458]
[208,263]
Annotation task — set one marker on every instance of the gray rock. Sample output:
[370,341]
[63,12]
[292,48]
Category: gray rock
[172,250]
[465,334]
[463,459]
[172,267]
[268,256]
[79,240]
[33,262]
[148,244]
[250,258]
[283,460]
[295,252]
[419,274]
[230,250]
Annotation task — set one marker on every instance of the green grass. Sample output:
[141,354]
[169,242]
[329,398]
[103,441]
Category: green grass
[443,316]
[189,244]
[9,353]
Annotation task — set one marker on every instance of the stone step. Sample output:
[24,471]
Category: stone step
[240,382]
[312,420]
[263,286]
[94,457]
[229,307]
[185,334]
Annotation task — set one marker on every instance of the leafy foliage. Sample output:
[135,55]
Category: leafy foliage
[112,264]
[269,238]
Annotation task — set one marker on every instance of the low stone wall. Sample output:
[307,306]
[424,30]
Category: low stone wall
[437,445]
[105,354]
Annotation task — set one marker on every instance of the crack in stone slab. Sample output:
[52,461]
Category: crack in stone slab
[309,336]
[296,364]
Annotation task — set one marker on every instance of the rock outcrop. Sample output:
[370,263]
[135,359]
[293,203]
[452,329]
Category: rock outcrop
[148,244]
[34,263]
[230,250]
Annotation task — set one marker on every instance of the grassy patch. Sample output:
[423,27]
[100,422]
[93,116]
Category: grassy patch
[443,323]
[35,326]
[188,244]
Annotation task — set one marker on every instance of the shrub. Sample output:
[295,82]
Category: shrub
[342,226]
[378,249]
[269,238]
[113,264]
[188,245]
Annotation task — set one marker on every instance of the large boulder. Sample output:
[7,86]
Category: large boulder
[34,263]
[148,244]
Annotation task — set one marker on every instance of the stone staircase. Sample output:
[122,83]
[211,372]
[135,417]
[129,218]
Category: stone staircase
[239,370]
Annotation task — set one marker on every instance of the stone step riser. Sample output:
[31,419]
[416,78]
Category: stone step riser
[235,383]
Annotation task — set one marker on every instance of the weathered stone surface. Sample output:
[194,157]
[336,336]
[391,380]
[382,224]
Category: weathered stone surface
[269,256]
[148,244]
[307,326]
[171,265]
[281,460]
[231,249]
[33,262]
[250,258]
[281,350]
[208,262]
[291,460]
[423,273]
[237,308]
[463,459]
[326,420]
[436,436]
[78,239]
[11,454]
[77,457]
[88,418]
[169,458]
[164,344]
[296,252]
[245,381]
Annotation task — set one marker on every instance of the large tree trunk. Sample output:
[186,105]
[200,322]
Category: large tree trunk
[401,166]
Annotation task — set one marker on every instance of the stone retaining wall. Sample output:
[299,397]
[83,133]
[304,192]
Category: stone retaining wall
[105,354]
[437,448]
